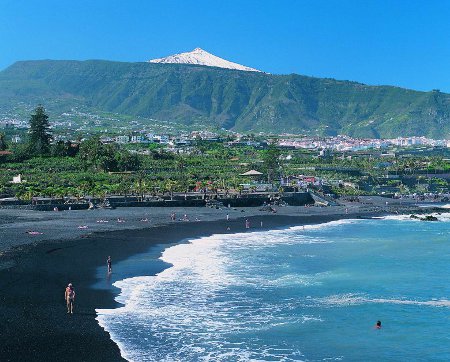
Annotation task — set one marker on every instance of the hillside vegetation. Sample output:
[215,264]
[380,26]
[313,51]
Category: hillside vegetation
[237,100]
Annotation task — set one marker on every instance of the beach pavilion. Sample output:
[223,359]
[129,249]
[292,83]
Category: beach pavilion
[252,173]
[255,182]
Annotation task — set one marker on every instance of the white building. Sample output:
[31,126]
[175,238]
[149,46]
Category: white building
[16,139]
[122,139]
[17,179]
[163,139]
[137,139]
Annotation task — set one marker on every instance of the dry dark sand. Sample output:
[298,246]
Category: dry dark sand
[34,325]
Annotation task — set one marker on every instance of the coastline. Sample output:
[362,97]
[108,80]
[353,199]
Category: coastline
[32,311]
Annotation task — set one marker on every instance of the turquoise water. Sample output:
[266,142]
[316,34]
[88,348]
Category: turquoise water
[301,294]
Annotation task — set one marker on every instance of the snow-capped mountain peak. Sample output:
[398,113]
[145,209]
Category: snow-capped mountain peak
[201,57]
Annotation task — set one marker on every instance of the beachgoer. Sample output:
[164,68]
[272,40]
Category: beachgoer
[261,224]
[247,224]
[109,263]
[185,217]
[69,297]
[228,217]
[378,325]
[172,216]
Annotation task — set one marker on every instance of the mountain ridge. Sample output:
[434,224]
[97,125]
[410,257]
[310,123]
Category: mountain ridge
[232,99]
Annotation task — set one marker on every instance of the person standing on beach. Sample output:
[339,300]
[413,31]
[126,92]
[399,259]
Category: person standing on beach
[69,296]
[109,263]
[247,224]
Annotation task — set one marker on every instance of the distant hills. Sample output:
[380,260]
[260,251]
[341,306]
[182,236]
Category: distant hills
[232,99]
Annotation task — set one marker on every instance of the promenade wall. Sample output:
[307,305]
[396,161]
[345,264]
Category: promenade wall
[247,200]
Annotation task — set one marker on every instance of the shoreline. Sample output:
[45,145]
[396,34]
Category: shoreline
[32,312]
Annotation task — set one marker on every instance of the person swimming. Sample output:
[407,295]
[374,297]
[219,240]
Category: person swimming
[378,325]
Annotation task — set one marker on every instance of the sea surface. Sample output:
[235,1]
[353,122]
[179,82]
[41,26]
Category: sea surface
[310,293]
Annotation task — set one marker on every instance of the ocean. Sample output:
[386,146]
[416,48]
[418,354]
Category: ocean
[310,293]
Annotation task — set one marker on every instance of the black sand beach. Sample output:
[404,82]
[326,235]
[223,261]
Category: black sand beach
[34,272]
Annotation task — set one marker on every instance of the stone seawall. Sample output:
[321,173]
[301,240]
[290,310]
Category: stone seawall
[248,200]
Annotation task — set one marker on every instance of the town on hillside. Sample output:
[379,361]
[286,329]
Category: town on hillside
[145,165]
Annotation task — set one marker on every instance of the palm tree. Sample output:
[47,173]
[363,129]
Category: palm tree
[170,186]
[125,187]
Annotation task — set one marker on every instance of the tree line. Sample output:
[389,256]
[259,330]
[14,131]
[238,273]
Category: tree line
[92,152]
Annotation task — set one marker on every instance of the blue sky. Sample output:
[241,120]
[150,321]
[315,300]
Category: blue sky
[404,43]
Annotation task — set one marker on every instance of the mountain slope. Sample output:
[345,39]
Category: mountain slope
[242,101]
[201,57]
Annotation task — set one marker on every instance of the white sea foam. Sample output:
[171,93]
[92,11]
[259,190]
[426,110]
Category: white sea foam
[197,309]
[344,300]
[196,303]
[327,225]
[401,217]
[445,216]
[431,303]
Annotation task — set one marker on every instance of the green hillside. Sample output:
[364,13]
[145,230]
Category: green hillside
[242,101]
